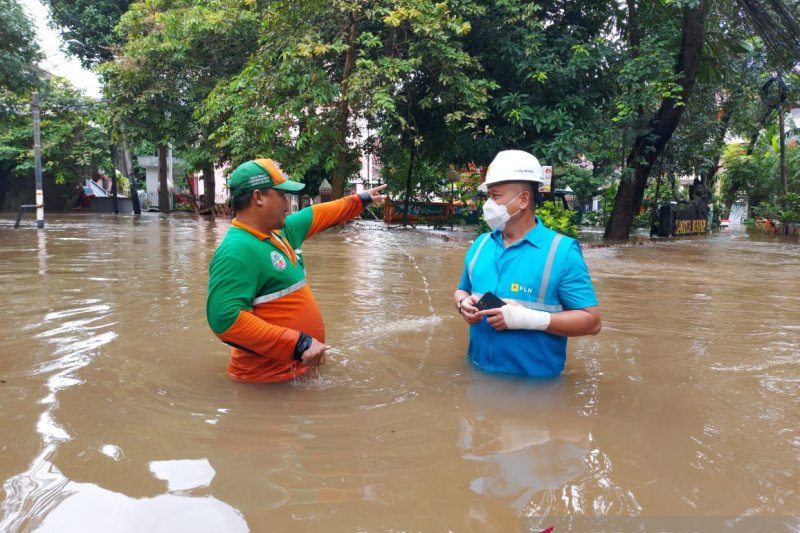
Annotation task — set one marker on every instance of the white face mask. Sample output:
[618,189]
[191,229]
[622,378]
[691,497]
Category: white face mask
[497,215]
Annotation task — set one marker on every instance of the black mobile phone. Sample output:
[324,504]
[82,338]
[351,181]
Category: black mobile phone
[489,301]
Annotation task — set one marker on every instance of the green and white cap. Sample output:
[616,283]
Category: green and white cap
[261,174]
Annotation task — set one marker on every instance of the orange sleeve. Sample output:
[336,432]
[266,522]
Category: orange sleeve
[329,214]
[253,334]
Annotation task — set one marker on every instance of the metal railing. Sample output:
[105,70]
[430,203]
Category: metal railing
[21,208]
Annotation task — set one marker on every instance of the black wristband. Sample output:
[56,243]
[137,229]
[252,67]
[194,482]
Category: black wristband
[303,344]
[458,305]
[366,199]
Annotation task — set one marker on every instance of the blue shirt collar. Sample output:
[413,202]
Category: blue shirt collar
[536,235]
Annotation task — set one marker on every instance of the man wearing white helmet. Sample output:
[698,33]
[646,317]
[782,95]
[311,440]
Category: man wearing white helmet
[539,275]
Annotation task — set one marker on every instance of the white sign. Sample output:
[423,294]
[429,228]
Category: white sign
[795,113]
[548,176]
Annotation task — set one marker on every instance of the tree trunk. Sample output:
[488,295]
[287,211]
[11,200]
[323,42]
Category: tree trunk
[340,171]
[722,129]
[704,184]
[126,164]
[408,181]
[209,186]
[649,145]
[163,190]
[113,155]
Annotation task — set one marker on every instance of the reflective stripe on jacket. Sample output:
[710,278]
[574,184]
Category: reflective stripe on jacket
[543,271]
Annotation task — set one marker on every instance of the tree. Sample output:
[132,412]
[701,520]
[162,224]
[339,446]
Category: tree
[444,99]
[87,27]
[650,142]
[552,66]
[718,50]
[748,174]
[19,50]
[73,137]
[175,53]
[752,172]
[722,103]
[327,71]
[149,104]
[582,181]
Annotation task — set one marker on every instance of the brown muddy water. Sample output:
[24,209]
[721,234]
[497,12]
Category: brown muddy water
[116,413]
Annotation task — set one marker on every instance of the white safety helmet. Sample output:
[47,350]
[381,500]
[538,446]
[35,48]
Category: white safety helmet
[512,165]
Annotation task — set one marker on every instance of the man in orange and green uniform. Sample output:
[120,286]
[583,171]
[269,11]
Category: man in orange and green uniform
[259,301]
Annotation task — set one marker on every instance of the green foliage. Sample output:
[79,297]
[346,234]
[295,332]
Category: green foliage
[642,220]
[74,141]
[592,218]
[744,173]
[648,78]
[87,27]
[583,181]
[756,178]
[18,48]
[427,175]
[373,213]
[552,73]
[608,201]
[175,52]
[774,209]
[315,84]
[184,207]
[557,218]
[324,66]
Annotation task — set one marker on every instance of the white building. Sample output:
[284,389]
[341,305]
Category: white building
[220,184]
[150,165]
[369,175]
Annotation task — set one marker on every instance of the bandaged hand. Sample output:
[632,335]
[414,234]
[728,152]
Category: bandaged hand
[518,317]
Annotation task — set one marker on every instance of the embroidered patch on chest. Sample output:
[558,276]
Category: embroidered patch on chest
[277,260]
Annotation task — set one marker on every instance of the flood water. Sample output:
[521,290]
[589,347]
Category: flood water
[116,413]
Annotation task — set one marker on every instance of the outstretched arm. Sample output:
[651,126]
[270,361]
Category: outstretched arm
[328,214]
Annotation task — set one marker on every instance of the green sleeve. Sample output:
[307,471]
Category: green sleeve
[297,226]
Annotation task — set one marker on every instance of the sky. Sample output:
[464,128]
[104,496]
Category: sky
[56,62]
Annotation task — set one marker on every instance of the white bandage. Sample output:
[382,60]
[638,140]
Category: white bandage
[518,317]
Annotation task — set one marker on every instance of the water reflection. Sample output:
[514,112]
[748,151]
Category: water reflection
[92,509]
[114,400]
[525,438]
[278,451]
[73,343]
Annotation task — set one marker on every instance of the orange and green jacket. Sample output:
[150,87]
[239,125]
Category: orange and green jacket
[259,299]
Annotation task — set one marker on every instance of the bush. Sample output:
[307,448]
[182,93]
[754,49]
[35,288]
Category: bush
[557,218]
[774,211]
[372,212]
[592,218]
[642,220]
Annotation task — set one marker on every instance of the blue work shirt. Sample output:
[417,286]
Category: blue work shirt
[544,271]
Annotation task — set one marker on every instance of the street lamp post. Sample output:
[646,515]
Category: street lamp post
[37,154]
[113,154]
